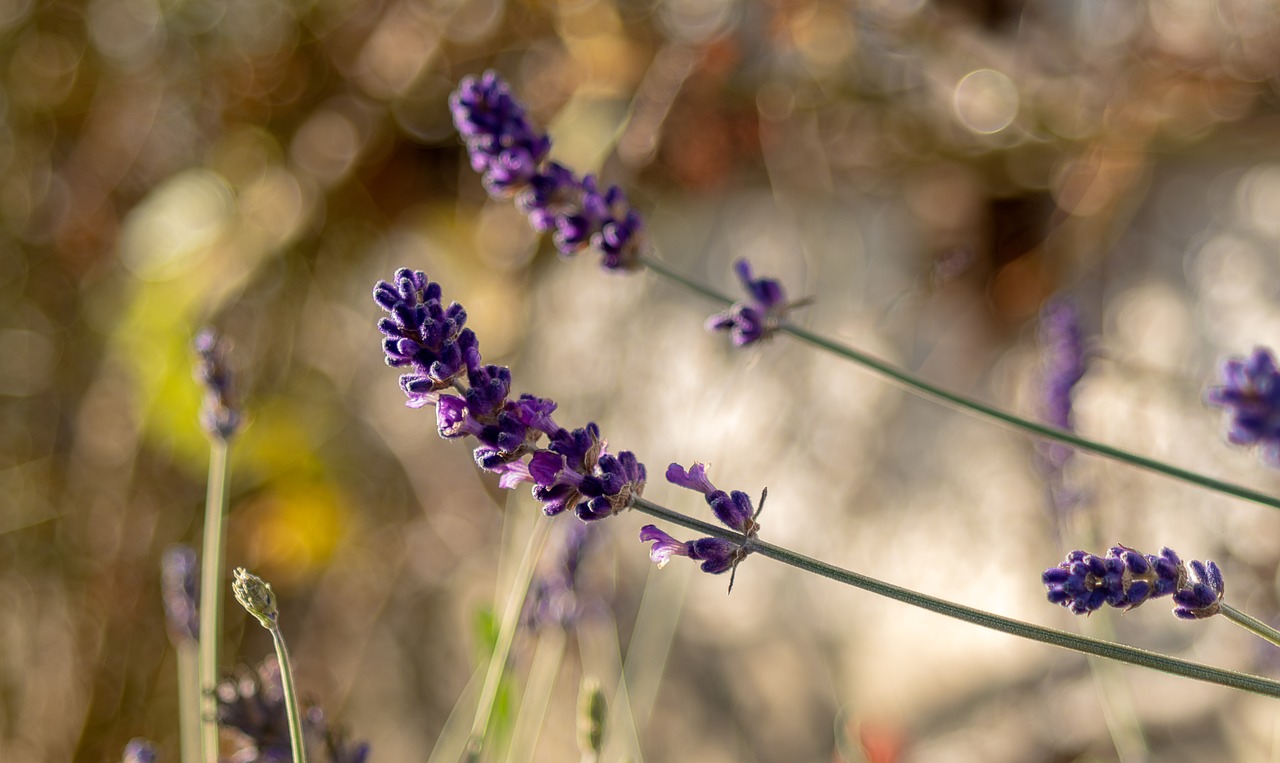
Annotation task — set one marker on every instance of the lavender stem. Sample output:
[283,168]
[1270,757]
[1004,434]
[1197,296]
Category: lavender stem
[1053,636]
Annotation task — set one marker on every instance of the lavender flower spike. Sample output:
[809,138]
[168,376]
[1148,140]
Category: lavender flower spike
[511,153]
[759,316]
[1125,578]
[220,416]
[1250,393]
[424,335]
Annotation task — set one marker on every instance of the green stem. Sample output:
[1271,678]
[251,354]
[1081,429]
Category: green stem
[215,524]
[1249,623]
[506,634]
[290,696]
[189,739]
[917,385]
[1110,650]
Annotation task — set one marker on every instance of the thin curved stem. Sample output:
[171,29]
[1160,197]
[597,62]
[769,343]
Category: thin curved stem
[1250,623]
[919,386]
[1072,641]
[214,542]
[296,742]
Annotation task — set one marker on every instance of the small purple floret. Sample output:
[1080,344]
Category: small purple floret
[759,316]
[1250,394]
[1203,598]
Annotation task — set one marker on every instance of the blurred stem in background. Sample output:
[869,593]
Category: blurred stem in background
[215,524]
[506,633]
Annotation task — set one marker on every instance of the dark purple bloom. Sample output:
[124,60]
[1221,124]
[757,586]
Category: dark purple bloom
[716,554]
[139,751]
[424,336]
[576,473]
[1250,393]
[512,156]
[1203,597]
[503,144]
[734,510]
[220,415]
[759,316]
[617,480]
[1125,578]
[179,588]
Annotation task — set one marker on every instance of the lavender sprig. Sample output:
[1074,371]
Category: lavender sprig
[221,418]
[256,596]
[179,588]
[511,154]
[574,471]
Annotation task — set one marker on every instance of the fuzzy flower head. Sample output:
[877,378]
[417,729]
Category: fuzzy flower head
[760,315]
[220,416]
[179,586]
[511,154]
[1250,395]
[576,473]
[139,750]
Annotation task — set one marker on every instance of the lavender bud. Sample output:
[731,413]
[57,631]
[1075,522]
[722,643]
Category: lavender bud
[220,416]
[1203,597]
[255,595]
[758,317]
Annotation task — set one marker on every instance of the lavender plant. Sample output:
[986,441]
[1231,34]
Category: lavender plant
[513,157]
[221,419]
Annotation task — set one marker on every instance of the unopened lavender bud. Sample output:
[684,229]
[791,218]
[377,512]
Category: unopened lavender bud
[255,595]
[592,710]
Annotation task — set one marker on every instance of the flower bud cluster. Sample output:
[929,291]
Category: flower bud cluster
[220,415]
[734,510]
[512,156]
[573,472]
[1126,578]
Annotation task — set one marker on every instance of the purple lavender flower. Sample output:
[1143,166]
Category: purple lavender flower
[1203,597]
[1125,579]
[555,598]
[139,750]
[1062,348]
[251,709]
[424,336]
[512,156]
[760,315]
[734,510]
[179,588]
[573,472]
[1251,396]
[220,415]
[716,554]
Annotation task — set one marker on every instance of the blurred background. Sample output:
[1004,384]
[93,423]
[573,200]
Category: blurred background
[931,173]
